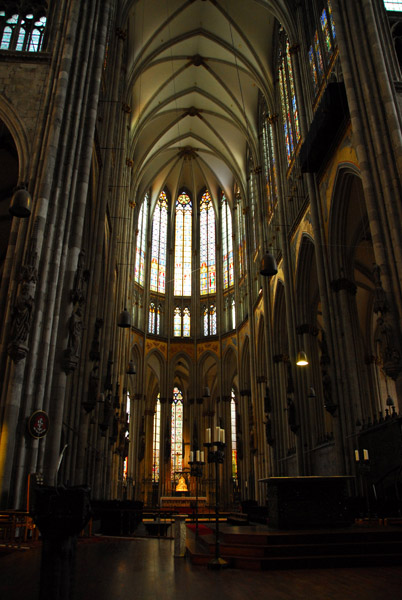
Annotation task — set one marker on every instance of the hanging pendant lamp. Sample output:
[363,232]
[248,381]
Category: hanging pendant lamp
[131,368]
[301,359]
[124,319]
[269,268]
[21,203]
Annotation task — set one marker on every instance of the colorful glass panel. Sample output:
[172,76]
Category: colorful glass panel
[227,244]
[140,252]
[151,319]
[331,18]
[159,245]
[156,442]
[176,433]
[177,322]
[317,50]
[186,322]
[183,246]
[233,435]
[233,313]
[325,31]
[313,68]
[207,246]
[212,319]
[205,320]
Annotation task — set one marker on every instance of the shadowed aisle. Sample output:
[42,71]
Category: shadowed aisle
[144,569]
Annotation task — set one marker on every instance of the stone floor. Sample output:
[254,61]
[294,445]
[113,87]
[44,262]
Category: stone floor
[145,569]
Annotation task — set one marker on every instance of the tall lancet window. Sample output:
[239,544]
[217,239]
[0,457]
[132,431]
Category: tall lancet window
[154,319]
[183,246]
[181,322]
[241,232]
[290,114]
[156,441]
[22,32]
[177,433]
[233,432]
[269,162]
[209,316]
[227,244]
[207,246]
[252,194]
[158,249]
[323,44]
[140,251]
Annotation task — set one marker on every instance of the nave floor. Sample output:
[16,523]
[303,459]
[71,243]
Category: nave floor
[145,569]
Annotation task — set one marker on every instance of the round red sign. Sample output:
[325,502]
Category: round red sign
[38,424]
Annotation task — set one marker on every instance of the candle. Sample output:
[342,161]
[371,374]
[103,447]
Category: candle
[222,436]
[197,456]
[217,434]
[191,456]
[365,455]
[202,455]
[208,436]
[357,457]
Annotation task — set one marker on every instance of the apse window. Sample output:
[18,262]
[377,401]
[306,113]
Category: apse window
[21,33]
[396,6]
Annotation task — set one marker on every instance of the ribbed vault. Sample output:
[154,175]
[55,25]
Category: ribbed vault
[195,69]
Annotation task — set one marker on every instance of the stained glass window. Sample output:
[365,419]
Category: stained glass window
[159,242]
[290,114]
[233,435]
[396,6]
[186,322]
[325,31]
[269,163]
[209,318]
[128,413]
[154,317]
[177,322]
[176,433]
[181,322]
[183,246]
[140,252]
[156,441]
[253,206]
[207,246]
[322,48]
[227,244]
[22,33]
[233,313]
[241,232]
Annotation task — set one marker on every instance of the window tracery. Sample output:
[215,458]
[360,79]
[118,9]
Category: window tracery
[207,246]
[22,27]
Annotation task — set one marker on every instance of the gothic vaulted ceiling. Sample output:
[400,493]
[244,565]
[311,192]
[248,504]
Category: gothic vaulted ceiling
[194,71]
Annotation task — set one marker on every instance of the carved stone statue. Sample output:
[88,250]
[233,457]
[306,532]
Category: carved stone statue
[21,323]
[181,486]
[22,314]
[75,332]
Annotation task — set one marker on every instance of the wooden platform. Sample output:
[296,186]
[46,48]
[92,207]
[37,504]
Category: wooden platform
[258,548]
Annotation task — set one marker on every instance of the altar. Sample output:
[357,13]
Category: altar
[309,501]
[184,504]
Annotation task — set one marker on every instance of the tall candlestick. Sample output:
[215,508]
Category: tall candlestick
[365,455]
[217,434]
[202,455]
[222,436]
[357,457]
[208,435]
[197,455]
[191,456]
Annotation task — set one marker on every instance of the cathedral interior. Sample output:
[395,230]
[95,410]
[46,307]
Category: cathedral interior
[200,241]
